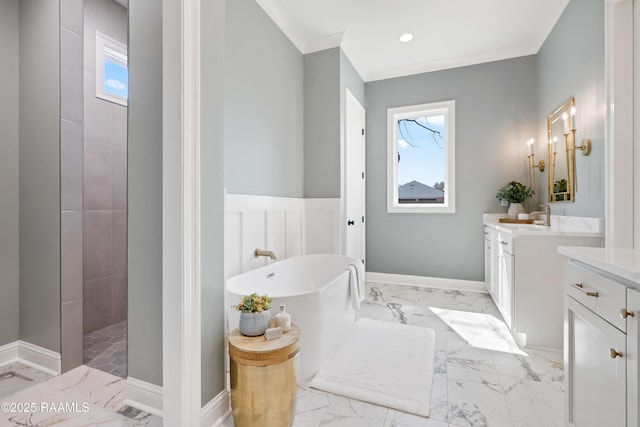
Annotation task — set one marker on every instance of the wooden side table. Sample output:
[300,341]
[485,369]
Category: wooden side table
[264,379]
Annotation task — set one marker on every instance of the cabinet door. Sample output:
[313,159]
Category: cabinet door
[596,381]
[493,284]
[505,286]
[487,260]
[633,357]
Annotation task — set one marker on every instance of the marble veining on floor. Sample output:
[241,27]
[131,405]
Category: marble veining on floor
[481,377]
[106,349]
[83,396]
[17,376]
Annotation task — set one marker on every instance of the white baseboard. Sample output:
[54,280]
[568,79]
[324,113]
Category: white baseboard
[148,397]
[429,282]
[144,396]
[32,355]
[215,413]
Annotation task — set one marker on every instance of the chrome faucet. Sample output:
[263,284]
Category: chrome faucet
[547,214]
[261,252]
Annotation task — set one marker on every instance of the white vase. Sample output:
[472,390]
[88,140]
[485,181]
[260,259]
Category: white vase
[515,209]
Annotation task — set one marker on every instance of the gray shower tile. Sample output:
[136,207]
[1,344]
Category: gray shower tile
[96,17]
[72,346]
[119,236]
[119,300]
[98,125]
[119,177]
[71,247]
[97,304]
[71,76]
[71,146]
[119,118]
[97,176]
[119,23]
[97,244]
[71,15]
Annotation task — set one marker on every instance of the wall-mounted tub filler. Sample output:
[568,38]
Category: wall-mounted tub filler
[261,252]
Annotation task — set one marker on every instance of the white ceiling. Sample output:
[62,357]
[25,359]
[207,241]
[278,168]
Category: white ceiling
[447,33]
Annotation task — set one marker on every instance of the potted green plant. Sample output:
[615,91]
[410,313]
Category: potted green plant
[515,193]
[255,314]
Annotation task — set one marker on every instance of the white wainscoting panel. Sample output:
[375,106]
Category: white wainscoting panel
[288,226]
[323,226]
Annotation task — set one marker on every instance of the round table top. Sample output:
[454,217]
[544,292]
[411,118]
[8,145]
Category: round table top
[257,351]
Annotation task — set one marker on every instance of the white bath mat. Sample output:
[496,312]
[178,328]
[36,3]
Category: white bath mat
[384,363]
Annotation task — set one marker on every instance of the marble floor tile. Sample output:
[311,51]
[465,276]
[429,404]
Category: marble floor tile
[17,376]
[476,398]
[402,419]
[81,397]
[353,413]
[311,407]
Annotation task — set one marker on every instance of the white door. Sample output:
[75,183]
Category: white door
[354,164]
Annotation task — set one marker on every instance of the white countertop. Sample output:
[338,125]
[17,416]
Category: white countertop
[560,226]
[624,263]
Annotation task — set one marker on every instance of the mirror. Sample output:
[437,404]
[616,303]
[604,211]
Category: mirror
[561,131]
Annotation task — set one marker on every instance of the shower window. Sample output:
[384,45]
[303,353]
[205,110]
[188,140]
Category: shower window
[112,74]
[420,158]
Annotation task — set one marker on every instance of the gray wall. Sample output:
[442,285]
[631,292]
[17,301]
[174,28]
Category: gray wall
[212,134]
[322,96]
[40,173]
[495,114]
[571,63]
[9,219]
[263,105]
[145,191]
[105,179]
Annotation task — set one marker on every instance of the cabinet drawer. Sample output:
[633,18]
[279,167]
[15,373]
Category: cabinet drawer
[601,295]
[505,242]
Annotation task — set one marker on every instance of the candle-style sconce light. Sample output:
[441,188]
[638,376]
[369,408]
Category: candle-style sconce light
[532,164]
[562,173]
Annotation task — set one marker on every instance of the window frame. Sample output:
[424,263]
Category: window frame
[106,47]
[393,115]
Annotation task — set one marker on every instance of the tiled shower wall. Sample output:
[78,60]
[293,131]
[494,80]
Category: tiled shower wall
[105,180]
[71,129]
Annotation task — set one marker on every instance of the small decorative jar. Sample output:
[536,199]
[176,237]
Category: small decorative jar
[254,324]
[283,319]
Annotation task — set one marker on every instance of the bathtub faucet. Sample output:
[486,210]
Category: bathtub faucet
[261,252]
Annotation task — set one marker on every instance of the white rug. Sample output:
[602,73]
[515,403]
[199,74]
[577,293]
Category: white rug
[388,364]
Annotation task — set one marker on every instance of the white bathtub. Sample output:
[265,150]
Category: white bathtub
[315,289]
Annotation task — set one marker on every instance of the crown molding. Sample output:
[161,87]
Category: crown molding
[285,23]
[461,61]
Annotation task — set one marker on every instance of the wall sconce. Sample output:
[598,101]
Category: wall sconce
[532,164]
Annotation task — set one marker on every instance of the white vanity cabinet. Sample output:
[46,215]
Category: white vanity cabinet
[633,357]
[525,276]
[499,269]
[602,337]
[595,351]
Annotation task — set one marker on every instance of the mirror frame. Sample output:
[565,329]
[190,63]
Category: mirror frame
[564,112]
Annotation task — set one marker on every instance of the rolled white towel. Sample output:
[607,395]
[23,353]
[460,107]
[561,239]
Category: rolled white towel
[356,283]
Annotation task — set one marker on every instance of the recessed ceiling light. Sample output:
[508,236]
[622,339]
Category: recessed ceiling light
[406,37]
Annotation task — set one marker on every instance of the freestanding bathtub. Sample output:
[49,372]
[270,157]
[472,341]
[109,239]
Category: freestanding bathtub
[315,289]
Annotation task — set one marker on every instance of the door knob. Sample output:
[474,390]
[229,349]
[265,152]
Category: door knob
[351,222]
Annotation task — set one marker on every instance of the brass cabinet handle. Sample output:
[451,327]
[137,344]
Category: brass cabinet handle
[613,353]
[624,313]
[579,286]
[502,242]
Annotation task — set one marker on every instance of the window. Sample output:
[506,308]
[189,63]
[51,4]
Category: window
[112,75]
[420,158]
